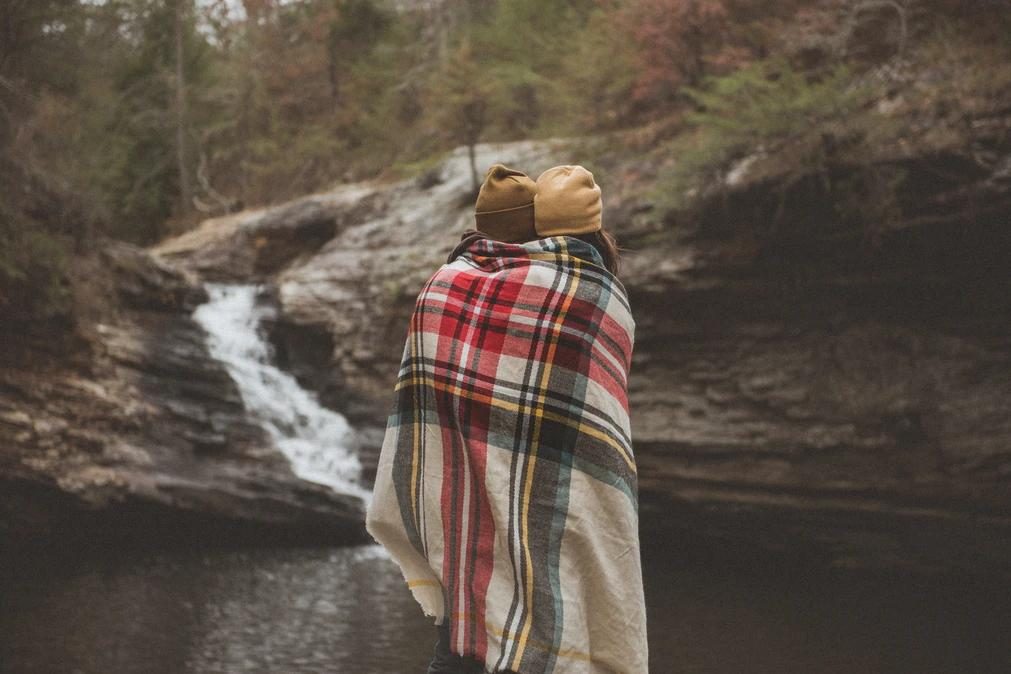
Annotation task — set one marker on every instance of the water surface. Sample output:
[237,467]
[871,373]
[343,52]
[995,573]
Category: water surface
[305,610]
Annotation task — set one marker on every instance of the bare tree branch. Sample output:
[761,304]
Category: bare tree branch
[224,203]
[869,5]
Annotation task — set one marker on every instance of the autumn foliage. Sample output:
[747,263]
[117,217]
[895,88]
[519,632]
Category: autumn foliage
[676,40]
[137,118]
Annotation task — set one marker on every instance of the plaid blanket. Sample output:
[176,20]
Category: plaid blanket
[506,488]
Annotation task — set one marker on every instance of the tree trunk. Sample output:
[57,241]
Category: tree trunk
[475,183]
[185,189]
[332,52]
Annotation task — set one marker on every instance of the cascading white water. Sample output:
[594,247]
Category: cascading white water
[318,442]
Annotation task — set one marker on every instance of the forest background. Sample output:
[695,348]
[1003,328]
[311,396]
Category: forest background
[135,119]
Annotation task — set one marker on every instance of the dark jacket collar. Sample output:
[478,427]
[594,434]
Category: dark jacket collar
[475,242]
[467,238]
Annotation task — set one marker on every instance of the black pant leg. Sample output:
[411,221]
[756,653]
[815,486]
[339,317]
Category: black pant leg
[445,662]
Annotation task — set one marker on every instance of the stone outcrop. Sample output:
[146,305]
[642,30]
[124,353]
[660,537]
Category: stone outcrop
[804,384]
[127,430]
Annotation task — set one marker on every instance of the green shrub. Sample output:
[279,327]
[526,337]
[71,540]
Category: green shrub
[32,270]
[756,110]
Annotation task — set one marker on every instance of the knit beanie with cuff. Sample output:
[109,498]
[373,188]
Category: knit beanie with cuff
[505,205]
[567,201]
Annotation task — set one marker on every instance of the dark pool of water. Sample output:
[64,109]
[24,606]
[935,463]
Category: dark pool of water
[315,611]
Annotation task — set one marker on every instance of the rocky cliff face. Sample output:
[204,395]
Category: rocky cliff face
[128,430]
[798,391]
[806,384]
[799,384]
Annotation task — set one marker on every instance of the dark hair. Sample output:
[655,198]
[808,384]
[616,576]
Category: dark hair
[605,245]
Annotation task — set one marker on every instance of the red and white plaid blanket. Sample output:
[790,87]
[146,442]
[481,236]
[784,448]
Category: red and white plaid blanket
[506,489]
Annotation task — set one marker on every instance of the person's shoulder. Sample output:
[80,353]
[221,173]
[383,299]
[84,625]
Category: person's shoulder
[447,272]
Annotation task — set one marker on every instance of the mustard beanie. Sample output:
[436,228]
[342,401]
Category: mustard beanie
[567,202]
[505,205]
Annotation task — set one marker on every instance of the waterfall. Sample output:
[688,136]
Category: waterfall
[318,442]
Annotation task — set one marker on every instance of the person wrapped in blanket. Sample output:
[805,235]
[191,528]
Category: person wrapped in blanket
[506,488]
